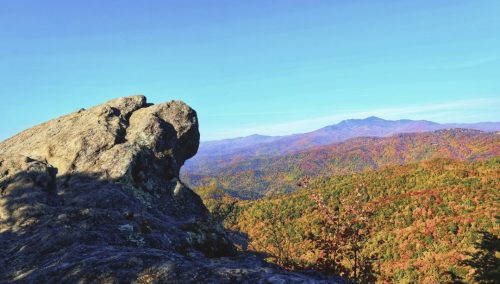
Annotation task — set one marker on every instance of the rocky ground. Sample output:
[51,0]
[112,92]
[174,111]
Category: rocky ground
[95,197]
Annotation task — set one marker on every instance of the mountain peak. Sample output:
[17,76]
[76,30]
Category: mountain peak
[370,119]
[374,118]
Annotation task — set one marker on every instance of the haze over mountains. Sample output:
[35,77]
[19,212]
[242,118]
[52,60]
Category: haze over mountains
[254,166]
[231,150]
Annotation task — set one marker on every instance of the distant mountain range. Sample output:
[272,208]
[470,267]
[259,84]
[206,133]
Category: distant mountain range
[236,149]
[254,166]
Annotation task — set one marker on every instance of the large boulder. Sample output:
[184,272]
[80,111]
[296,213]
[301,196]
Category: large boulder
[95,196]
[107,139]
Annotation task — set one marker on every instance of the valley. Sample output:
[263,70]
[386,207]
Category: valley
[425,219]
[388,208]
[256,176]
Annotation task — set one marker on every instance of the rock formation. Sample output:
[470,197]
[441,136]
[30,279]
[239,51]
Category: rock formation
[95,196]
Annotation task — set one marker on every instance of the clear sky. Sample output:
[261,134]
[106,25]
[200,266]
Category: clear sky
[268,67]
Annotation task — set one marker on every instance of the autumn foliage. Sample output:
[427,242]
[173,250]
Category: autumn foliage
[258,176]
[417,223]
[343,233]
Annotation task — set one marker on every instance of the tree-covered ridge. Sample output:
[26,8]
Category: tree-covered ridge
[425,220]
[230,150]
[260,176]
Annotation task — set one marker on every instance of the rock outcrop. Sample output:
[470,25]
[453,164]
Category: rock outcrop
[95,196]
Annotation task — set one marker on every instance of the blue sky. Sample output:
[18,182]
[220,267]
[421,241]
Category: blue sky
[268,67]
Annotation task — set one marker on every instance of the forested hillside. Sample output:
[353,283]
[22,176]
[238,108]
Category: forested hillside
[418,223]
[263,175]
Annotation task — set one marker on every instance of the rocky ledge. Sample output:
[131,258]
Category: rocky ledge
[95,197]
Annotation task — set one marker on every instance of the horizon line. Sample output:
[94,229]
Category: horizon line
[437,113]
[347,119]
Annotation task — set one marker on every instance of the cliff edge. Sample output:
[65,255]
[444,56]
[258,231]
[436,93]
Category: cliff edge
[95,196]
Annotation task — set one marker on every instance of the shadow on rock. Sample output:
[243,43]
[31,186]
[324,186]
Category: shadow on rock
[80,227]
